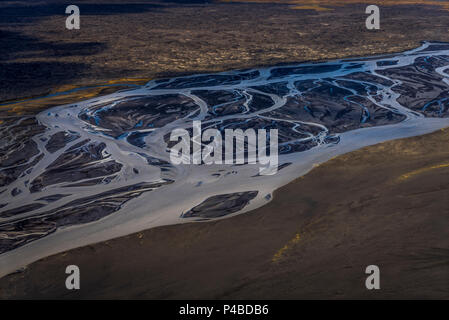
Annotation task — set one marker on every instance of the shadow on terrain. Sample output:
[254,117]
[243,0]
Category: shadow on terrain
[29,13]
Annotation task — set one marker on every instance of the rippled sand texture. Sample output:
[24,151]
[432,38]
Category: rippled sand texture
[79,174]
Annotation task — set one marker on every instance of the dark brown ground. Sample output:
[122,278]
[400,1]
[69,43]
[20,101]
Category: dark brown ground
[148,39]
[316,237]
[314,240]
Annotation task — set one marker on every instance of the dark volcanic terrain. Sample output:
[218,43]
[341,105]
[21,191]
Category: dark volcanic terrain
[384,205]
[149,39]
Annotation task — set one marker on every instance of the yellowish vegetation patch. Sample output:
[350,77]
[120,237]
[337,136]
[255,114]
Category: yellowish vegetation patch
[130,80]
[30,106]
[281,252]
[422,170]
[66,96]
[319,5]
[63,88]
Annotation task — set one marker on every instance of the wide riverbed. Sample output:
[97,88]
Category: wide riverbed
[100,169]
